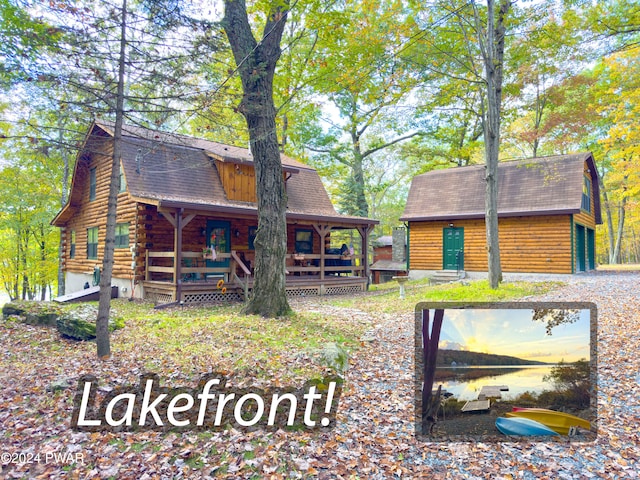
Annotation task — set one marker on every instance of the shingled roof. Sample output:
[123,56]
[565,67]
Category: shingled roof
[172,170]
[537,186]
[219,151]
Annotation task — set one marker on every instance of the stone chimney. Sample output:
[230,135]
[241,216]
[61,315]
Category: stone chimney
[399,244]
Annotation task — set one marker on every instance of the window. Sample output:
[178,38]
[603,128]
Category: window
[92,184]
[123,181]
[586,195]
[304,241]
[92,242]
[122,235]
[252,237]
[72,246]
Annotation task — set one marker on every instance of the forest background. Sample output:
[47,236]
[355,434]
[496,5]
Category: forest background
[370,93]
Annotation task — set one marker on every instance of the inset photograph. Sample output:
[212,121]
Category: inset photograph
[504,372]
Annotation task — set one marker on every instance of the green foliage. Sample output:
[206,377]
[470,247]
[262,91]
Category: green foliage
[554,317]
[178,335]
[353,78]
[569,375]
[29,244]
[335,357]
[23,37]
[365,81]
[622,26]
[572,383]
[527,399]
[388,300]
[451,407]
[77,321]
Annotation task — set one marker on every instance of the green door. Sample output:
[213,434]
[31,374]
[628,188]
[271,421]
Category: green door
[591,249]
[581,264]
[453,248]
[219,237]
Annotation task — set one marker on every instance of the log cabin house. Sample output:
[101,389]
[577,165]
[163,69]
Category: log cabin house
[548,209]
[187,219]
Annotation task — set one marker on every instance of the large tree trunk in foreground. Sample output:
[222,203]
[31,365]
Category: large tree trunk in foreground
[256,63]
[492,48]
[63,201]
[430,341]
[104,305]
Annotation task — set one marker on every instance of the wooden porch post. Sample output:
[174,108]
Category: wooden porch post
[177,255]
[147,274]
[364,234]
[179,222]
[322,232]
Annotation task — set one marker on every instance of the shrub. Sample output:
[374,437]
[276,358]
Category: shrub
[572,385]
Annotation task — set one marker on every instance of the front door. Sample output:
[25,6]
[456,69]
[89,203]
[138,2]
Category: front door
[219,237]
[591,249]
[453,248]
[581,265]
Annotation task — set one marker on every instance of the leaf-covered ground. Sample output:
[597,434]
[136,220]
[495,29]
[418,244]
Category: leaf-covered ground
[374,435]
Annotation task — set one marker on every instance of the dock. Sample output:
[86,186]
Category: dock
[483,402]
[476,405]
[492,391]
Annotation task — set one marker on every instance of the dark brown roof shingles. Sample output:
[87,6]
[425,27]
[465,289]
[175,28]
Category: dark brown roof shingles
[536,186]
[179,168]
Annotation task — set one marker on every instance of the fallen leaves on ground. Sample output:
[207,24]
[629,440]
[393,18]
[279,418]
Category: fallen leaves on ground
[374,435]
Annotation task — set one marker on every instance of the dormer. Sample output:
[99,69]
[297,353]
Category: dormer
[238,177]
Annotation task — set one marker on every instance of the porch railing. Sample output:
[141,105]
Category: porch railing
[243,282]
[311,264]
[160,266]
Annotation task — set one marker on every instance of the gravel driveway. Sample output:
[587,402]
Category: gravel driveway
[375,434]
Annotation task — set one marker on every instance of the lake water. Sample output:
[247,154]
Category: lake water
[518,379]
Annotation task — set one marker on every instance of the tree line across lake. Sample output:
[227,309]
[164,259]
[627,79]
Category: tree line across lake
[446,358]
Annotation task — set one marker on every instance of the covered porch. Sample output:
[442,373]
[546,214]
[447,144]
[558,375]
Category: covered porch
[187,273]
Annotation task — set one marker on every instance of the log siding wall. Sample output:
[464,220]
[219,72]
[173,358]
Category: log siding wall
[537,244]
[527,244]
[157,234]
[92,213]
[584,219]
[148,229]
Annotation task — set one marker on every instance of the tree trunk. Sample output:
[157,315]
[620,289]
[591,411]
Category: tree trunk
[24,248]
[43,259]
[269,294]
[63,201]
[615,255]
[357,172]
[541,102]
[492,48]
[608,214]
[104,305]
[430,341]
[636,246]
[256,63]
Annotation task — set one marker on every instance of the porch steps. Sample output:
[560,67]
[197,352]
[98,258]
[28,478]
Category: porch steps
[446,276]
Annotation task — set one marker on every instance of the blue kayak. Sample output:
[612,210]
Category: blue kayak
[522,426]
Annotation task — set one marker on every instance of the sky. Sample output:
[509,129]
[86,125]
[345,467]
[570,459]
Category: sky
[513,332]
